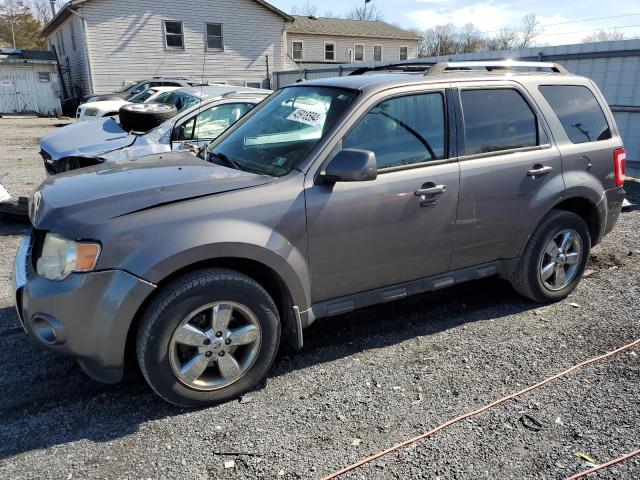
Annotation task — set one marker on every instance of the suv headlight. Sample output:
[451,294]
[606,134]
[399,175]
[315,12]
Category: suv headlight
[61,256]
[90,112]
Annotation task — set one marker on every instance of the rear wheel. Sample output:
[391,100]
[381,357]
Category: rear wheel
[208,337]
[555,257]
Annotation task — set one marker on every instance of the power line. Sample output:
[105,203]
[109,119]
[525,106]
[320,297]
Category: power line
[544,25]
[586,31]
[589,19]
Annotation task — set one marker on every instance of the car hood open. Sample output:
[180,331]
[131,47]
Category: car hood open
[86,139]
[96,194]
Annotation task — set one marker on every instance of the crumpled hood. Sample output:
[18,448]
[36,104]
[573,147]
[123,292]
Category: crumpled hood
[86,139]
[96,194]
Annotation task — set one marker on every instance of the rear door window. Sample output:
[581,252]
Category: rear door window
[402,131]
[497,119]
[578,111]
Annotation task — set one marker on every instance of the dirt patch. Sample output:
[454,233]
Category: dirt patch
[606,261]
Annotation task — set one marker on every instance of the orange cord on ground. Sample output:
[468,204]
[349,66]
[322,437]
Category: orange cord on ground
[604,465]
[476,412]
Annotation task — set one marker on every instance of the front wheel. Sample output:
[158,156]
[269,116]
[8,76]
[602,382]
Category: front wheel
[208,337]
[553,261]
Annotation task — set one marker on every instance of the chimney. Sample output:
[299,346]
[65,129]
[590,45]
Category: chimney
[53,7]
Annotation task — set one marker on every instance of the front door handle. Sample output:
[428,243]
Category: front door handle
[539,171]
[430,191]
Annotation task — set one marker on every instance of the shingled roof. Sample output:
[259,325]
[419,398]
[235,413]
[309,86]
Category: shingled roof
[348,28]
[35,55]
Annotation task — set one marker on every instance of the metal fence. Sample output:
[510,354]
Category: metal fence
[614,66]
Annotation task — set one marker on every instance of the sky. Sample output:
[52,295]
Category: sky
[489,16]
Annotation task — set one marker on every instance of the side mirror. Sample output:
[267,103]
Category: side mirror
[351,165]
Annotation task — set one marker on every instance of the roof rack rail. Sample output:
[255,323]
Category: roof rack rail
[402,67]
[246,94]
[493,65]
[163,77]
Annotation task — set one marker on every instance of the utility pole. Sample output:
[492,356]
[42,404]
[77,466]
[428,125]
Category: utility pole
[11,20]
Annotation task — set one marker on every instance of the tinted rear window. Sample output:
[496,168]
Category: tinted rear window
[578,111]
[497,119]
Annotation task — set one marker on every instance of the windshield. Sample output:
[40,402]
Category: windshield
[178,99]
[282,133]
[144,96]
[125,87]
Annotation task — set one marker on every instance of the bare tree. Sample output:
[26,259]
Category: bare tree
[368,13]
[41,9]
[604,36]
[529,30]
[471,39]
[307,8]
[506,39]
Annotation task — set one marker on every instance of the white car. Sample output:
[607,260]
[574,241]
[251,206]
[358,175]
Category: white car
[109,108]
[203,114]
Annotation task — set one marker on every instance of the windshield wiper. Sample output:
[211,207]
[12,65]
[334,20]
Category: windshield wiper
[226,160]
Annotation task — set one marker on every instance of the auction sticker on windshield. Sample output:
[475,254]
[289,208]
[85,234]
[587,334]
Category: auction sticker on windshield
[305,116]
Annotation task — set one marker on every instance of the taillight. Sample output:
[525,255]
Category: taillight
[620,166]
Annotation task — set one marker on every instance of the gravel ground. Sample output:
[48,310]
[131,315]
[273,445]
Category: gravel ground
[363,382]
[21,167]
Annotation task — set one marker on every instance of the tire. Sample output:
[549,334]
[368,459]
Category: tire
[528,277]
[142,117]
[162,355]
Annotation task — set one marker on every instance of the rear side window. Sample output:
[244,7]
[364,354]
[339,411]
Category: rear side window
[578,111]
[402,131]
[497,119]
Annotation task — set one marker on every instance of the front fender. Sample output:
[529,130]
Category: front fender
[292,269]
[264,224]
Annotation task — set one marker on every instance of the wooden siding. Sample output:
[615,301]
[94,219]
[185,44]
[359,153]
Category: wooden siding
[313,48]
[78,76]
[23,91]
[126,41]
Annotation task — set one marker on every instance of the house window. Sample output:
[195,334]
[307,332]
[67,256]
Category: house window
[173,34]
[297,51]
[377,53]
[44,77]
[358,53]
[72,31]
[214,36]
[404,53]
[60,43]
[330,51]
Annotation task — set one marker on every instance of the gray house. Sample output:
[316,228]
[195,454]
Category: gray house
[314,41]
[103,43]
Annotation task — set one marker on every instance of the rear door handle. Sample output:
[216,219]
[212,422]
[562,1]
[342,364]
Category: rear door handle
[430,191]
[539,171]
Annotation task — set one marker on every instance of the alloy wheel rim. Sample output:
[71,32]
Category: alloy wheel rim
[561,259]
[215,345]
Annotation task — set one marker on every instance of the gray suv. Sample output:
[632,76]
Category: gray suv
[329,196]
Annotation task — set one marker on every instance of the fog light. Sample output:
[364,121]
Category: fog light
[48,330]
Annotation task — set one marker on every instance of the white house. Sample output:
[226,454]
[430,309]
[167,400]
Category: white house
[315,41]
[105,43]
[101,44]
